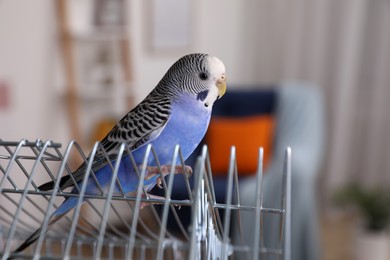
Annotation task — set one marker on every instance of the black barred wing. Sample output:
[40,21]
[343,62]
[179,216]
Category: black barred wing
[139,127]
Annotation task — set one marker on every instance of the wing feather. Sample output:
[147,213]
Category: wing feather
[139,127]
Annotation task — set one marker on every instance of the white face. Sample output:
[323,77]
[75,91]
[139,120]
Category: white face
[218,76]
[217,68]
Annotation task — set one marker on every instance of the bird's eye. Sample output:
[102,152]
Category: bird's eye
[203,76]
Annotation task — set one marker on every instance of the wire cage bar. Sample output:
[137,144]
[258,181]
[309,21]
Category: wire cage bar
[115,225]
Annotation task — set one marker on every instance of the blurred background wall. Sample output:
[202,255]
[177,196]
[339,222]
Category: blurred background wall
[341,46]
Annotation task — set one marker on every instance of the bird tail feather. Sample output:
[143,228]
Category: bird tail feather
[66,206]
[33,237]
[50,185]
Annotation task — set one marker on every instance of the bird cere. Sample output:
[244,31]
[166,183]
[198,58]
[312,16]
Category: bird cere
[176,111]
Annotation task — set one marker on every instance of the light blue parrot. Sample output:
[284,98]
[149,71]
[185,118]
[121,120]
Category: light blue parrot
[177,111]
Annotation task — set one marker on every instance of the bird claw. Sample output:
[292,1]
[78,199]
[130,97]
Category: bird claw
[152,171]
[159,183]
[160,198]
[187,170]
[150,196]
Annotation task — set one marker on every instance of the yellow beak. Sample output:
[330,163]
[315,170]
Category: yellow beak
[221,84]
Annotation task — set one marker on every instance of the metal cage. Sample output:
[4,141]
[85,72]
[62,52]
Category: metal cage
[113,226]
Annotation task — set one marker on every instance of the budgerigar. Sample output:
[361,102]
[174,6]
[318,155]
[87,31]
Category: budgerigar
[177,111]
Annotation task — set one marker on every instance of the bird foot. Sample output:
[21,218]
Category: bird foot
[155,197]
[150,196]
[152,171]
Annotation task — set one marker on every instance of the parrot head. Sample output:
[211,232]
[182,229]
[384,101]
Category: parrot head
[198,74]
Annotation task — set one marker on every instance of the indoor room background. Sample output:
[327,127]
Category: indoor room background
[339,47]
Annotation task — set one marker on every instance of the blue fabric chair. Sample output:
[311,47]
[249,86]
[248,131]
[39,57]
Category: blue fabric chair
[300,124]
[300,120]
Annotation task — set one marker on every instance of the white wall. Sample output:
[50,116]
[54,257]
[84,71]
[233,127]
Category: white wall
[28,51]
[27,41]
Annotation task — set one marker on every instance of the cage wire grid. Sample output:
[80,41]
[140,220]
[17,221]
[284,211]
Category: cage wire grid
[115,225]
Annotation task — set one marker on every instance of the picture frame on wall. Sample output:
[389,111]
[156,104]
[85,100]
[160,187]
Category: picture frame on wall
[169,25]
[110,13]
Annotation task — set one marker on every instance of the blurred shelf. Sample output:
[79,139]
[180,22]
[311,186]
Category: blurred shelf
[102,34]
[100,97]
[96,49]
[97,96]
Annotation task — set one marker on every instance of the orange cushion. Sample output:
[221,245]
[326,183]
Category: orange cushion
[247,134]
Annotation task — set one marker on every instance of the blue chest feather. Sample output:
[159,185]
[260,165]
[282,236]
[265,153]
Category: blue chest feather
[186,126]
